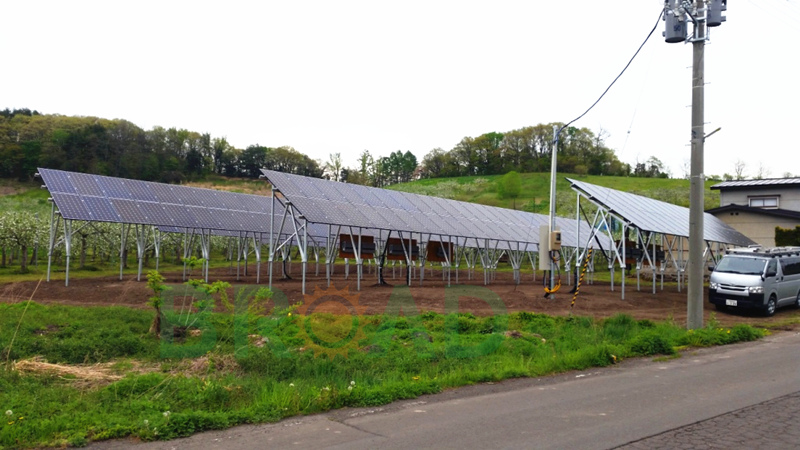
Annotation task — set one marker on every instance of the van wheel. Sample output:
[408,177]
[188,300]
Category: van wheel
[770,308]
[797,301]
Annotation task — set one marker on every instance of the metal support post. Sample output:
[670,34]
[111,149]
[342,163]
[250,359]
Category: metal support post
[52,241]
[67,246]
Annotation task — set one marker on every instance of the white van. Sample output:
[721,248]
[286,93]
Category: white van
[764,279]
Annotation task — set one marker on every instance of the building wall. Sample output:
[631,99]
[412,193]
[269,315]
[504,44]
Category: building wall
[759,228]
[789,196]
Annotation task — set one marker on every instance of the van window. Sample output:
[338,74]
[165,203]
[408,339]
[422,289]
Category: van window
[772,267]
[791,266]
[741,264]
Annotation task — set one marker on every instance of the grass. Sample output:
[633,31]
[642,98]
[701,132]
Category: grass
[177,386]
[27,198]
[535,196]
[12,274]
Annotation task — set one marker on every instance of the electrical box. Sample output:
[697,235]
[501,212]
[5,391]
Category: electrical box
[555,240]
[544,247]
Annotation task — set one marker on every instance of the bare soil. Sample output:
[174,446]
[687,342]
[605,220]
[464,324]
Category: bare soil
[501,295]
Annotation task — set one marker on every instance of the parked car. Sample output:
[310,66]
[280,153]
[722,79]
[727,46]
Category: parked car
[756,278]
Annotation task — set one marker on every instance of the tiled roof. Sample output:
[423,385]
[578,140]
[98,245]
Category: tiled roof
[757,184]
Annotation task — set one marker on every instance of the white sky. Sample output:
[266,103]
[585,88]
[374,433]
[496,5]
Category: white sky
[346,75]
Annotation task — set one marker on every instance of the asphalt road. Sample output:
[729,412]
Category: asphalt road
[744,395]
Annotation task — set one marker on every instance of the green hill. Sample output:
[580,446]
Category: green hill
[535,195]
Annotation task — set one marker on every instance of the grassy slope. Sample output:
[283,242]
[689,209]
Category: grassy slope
[24,197]
[536,189]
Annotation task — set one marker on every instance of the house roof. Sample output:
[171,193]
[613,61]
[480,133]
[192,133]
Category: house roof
[783,213]
[766,183]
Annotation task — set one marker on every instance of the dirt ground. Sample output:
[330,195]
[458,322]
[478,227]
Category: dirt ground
[502,295]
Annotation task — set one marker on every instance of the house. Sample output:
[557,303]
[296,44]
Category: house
[756,207]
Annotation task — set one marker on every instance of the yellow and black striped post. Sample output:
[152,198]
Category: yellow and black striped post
[580,280]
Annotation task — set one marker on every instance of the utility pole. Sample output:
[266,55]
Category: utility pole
[703,14]
[694,307]
[552,226]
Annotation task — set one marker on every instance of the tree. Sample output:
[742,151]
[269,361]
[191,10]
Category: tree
[435,164]
[220,147]
[252,160]
[19,230]
[334,166]
[408,165]
[762,172]
[655,168]
[510,186]
[155,281]
[652,168]
[738,169]
[686,168]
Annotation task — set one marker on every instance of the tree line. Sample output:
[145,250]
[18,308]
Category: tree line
[119,148]
[529,149]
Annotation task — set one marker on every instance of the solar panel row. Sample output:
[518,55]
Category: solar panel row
[106,199]
[656,216]
[329,202]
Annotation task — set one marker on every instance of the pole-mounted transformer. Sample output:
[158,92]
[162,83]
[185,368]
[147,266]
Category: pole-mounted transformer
[715,8]
[676,28]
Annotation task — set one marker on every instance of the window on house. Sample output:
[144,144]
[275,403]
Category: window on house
[763,202]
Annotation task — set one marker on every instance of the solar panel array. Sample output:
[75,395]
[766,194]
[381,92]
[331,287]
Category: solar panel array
[656,216]
[98,198]
[329,202]
[177,209]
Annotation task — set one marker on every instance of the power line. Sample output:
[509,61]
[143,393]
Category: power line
[782,16]
[620,74]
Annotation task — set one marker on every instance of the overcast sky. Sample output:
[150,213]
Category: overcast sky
[345,76]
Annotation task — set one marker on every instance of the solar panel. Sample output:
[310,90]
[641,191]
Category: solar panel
[69,205]
[153,213]
[99,209]
[387,199]
[57,181]
[367,196]
[254,222]
[165,194]
[114,188]
[85,185]
[656,216]
[205,217]
[404,200]
[127,210]
[228,200]
[141,190]
[256,203]
[311,191]
[180,216]
[191,197]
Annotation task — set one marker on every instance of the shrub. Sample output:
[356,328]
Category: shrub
[651,343]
